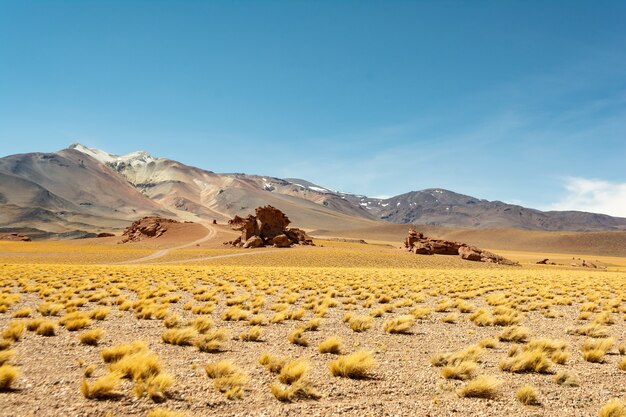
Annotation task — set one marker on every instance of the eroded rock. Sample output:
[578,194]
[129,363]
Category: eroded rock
[147,227]
[269,224]
[419,244]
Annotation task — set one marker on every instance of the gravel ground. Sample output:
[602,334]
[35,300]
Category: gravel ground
[403,383]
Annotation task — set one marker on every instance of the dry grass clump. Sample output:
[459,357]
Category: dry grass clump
[420,313]
[8,375]
[115,353]
[91,337]
[293,382]
[516,334]
[469,354]
[32,325]
[235,313]
[23,313]
[13,331]
[75,321]
[297,337]
[566,378]
[212,341]
[488,343]
[527,395]
[622,364]
[591,330]
[614,408]
[449,318]
[463,371]
[6,355]
[46,328]
[481,318]
[179,337]
[103,388]
[274,364]
[258,320]
[293,370]
[138,366]
[100,313]
[227,378]
[527,361]
[355,365]
[331,345]
[484,386]
[49,309]
[400,324]
[154,386]
[251,335]
[312,325]
[593,350]
[203,324]
[360,323]
[89,370]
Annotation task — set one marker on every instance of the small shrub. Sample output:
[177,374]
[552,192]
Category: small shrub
[360,323]
[8,374]
[566,378]
[179,337]
[23,313]
[356,365]
[13,331]
[293,371]
[273,364]
[297,337]
[252,335]
[514,334]
[331,345]
[115,353]
[104,387]
[463,371]
[482,387]
[527,395]
[91,337]
[212,341]
[400,324]
[46,328]
[614,408]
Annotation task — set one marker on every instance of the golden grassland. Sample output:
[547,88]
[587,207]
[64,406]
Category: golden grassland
[344,328]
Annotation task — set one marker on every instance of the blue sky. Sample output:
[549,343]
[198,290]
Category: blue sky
[520,101]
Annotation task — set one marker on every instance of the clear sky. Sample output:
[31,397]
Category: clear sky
[520,101]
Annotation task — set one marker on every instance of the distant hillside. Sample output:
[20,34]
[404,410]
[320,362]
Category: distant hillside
[83,189]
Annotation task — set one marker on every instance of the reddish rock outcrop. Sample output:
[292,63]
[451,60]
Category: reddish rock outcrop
[105,234]
[14,237]
[417,243]
[269,225]
[148,227]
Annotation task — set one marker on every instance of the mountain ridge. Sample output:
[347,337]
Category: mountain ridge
[81,187]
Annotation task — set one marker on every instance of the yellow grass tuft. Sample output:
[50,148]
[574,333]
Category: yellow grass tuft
[331,345]
[516,334]
[8,375]
[274,364]
[212,341]
[614,408]
[162,412]
[400,324]
[463,371]
[593,350]
[91,337]
[46,328]
[115,353]
[6,355]
[179,337]
[360,323]
[566,378]
[356,365]
[251,335]
[13,331]
[482,387]
[23,313]
[301,389]
[104,387]
[527,395]
[297,337]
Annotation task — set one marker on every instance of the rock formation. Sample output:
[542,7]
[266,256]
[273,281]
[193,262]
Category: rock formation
[267,227]
[105,234]
[14,237]
[417,243]
[148,227]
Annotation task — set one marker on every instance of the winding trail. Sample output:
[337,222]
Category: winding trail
[162,252]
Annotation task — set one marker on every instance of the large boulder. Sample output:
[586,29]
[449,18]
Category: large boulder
[14,237]
[253,242]
[281,241]
[272,222]
[147,227]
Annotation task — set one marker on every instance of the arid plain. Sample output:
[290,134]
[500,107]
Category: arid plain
[94,328]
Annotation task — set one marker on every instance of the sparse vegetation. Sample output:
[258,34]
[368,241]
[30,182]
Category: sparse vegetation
[355,365]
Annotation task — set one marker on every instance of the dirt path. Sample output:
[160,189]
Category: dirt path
[162,252]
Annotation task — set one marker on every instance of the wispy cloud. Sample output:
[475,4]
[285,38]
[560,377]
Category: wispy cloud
[593,195]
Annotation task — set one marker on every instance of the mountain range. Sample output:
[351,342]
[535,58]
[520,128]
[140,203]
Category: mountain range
[80,189]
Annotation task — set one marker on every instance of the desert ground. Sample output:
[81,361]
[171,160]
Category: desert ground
[183,325]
